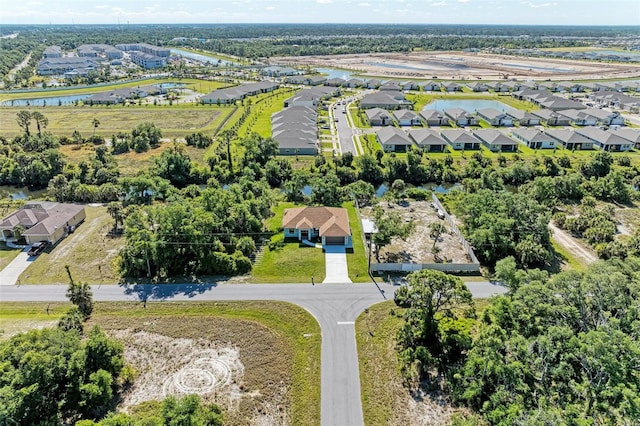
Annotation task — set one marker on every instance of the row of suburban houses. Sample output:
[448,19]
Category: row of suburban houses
[394,139]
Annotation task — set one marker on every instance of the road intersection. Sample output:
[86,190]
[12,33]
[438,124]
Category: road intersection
[335,307]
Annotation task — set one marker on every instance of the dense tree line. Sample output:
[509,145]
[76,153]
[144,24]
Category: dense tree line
[555,350]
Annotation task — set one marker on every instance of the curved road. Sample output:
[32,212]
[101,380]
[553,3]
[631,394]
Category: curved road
[335,306]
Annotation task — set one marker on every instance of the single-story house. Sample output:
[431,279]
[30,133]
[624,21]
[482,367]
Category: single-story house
[461,117]
[329,224]
[353,83]
[387,99]
[428,139]
[579,118]
[524,118]
[495,140]
[295,130]
[405,117]
[534,138]
[393,139]
[478,86]
[371,84]
[606,141]
[41,221]
[605,118]
[498,87]
[570,139]
[495,117]
[551,118]
[431,86]
[434,117]
[378,117]
[390,85]
[632,135]
[451,86]
[410,85]
[278,71]
[556,103]
[460,139]
[335,82]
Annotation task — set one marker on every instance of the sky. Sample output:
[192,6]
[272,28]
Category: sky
[522,12]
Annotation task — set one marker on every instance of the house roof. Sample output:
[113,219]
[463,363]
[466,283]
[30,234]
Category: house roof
[426,137]
[632,135]
[388,97]
[331,221]
[376,113]
[531,135]
[393,136]
[459,136]
[456,113]
[490,113]
[41,217]
[493,137]
[567,136]
[598,135]
[405,114]
[428,114]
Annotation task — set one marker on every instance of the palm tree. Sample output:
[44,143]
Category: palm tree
[436,229]
[41,121]
[95,123]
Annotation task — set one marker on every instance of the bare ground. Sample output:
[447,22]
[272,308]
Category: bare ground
[465,66]
[572,245]
[417,247]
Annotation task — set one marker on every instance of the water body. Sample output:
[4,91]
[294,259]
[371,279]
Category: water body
[170,85]
[201,58]
[627,53]
[49,101]
[440,188]
[335,73]
[468,105]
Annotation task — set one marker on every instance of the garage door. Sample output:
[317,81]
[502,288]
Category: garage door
[334,241]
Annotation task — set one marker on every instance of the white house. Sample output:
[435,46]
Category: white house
[534,138]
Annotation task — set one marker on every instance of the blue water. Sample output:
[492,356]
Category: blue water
[20,195]
[50,101]
[199,57]
[468,105]
[170,85]
[530,67]
[439,188]
[307,190]
[335,73]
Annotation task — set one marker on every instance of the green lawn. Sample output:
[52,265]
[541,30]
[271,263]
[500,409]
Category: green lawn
[174,121]
[288,262]
[259,121]
[89,252]
[357,261]
[7,255]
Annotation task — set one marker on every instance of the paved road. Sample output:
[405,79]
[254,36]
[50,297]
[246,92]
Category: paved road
[335,306]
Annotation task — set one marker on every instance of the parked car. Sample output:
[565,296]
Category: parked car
[38,248]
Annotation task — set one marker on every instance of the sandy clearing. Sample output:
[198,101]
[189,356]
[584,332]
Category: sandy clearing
[572,245]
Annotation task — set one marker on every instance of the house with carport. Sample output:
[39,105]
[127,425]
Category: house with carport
[328,224]
[533,138]
[460,139]
[495,140]
[428,140]
[393,139]
[42,221]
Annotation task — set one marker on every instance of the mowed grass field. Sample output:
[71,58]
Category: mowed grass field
[278,343]
[174,121]
[89,252]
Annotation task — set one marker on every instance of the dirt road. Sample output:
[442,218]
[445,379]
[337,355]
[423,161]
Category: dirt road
[581,253]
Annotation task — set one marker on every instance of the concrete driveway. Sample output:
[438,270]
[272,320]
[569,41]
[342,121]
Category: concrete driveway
[9,275]
[336,270]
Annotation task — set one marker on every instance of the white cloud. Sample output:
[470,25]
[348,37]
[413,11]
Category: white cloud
[324,1]
[270,8]
[463,1]
[364,4]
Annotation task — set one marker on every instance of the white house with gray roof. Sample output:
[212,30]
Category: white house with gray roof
[570,140]
[632,135]
[606,141]
[406,117]
[461,117]
[433,117]
[428,139]
[378,117]
[393,139]
[495,117]
[533,138]
[495,140]
[523,118]
[460,139]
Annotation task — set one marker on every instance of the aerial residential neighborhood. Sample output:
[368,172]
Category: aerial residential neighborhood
[277,214]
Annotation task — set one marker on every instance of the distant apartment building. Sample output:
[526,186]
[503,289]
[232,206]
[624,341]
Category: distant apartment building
[53,52]
[146,55]
[95,50]
[60,66]
[145,48]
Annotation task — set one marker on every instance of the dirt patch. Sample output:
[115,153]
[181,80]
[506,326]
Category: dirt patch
[178,367]
[417,248]
[240,365]
[572,245]
[464,66]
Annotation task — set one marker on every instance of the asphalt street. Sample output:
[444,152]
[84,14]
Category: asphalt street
[335,307]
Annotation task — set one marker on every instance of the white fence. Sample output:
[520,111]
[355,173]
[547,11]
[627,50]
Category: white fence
[455,229]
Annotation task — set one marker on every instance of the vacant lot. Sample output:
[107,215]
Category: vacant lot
[464,66]
[259,360]
[173,121]
[417,248]
[89,252]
